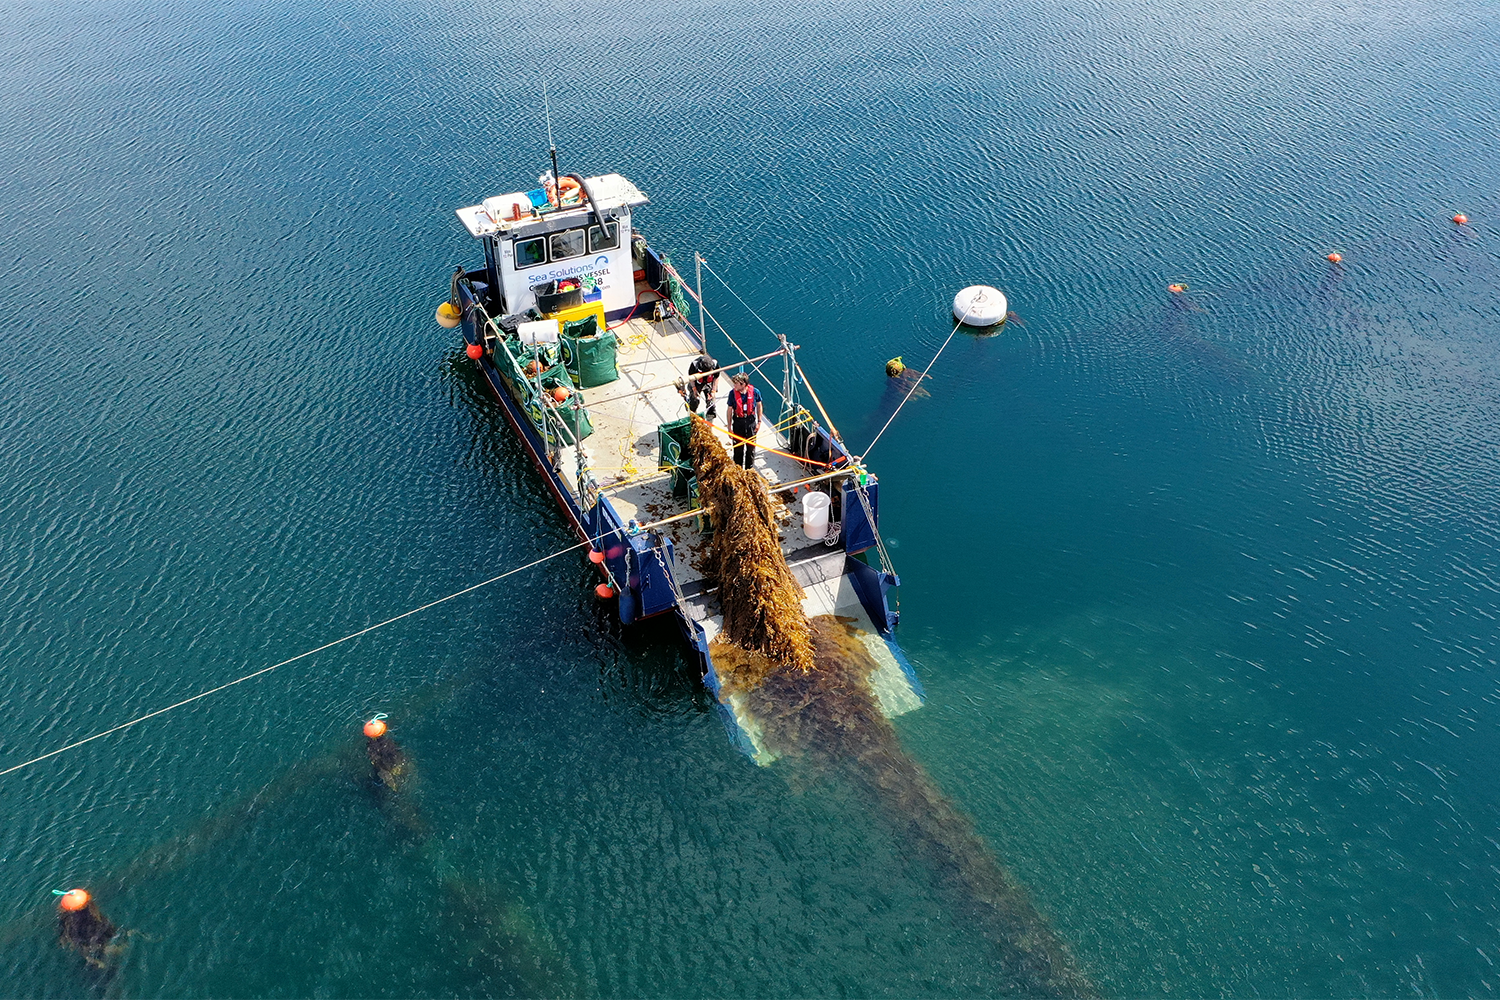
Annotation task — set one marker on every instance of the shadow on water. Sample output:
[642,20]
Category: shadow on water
[808,686]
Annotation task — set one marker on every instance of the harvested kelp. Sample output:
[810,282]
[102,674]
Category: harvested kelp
[761,601]
[807,684]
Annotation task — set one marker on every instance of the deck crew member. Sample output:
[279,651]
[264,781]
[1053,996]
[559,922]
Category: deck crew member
[703,379]
[745,415]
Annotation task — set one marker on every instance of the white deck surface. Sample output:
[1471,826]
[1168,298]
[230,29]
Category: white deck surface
[623,451]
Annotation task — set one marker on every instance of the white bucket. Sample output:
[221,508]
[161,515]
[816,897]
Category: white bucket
[815,514]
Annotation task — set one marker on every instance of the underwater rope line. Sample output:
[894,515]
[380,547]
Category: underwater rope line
[294,659]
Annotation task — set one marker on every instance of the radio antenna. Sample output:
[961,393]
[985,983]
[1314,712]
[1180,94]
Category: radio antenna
[552,146]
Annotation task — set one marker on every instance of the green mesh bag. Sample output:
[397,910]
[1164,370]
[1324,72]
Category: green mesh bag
[672,439]
[590,360]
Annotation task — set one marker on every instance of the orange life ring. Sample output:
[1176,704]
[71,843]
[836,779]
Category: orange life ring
[569,188]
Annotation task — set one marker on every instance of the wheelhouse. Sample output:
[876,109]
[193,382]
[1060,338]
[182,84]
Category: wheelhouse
[559,234]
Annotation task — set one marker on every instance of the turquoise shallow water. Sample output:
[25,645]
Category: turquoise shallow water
[1203,591]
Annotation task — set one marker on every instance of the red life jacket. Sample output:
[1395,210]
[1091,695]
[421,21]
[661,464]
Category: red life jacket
[743,401]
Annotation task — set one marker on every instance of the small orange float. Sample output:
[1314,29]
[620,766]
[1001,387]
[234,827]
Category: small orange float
[73,900]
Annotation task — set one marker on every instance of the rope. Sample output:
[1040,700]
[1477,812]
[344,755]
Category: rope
[915,383]
[736,439]
[644,389]
[620,323]
[294,659]
[808,385]
[727,336]
[738,299]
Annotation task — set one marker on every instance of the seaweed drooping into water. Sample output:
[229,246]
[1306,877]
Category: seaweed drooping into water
[808,685]
[761,601]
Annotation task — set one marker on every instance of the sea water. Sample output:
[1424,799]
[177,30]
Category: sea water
[1202,588]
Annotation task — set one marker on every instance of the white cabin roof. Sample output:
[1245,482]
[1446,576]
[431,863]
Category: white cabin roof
[495,215]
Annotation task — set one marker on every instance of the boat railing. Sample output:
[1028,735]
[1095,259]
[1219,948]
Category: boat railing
[556,434]
[860,490]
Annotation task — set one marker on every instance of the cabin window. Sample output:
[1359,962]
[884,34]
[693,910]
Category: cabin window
[606,240]
[529,253]
[567,244]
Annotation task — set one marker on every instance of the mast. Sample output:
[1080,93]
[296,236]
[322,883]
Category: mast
[552,146]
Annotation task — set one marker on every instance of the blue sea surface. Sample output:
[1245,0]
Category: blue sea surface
[1203,588]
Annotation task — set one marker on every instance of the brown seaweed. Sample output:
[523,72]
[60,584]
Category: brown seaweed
[88,932]
[761,601]
[808,684]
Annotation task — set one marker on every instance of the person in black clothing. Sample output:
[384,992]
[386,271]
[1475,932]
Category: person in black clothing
[745,415]
[700,384]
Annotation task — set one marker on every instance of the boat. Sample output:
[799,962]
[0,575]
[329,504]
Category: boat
[584,330]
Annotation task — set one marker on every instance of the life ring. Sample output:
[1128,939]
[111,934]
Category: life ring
[569,187]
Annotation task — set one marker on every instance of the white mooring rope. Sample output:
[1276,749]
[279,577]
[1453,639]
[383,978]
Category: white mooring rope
[294,659]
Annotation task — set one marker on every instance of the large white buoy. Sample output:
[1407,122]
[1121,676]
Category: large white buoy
[980,305]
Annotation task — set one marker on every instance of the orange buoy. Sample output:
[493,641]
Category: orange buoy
[1335,258]
[595,556]
[1177,288]
[376,727]
[73,900]
[474,351]
[604,591]
[1460,219]
[560,394]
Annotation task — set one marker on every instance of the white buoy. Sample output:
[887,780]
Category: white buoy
[980,305]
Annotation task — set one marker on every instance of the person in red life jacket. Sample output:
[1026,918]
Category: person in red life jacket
[702,385]
[745,415]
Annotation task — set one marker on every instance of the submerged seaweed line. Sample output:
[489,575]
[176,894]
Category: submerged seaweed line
[808,684]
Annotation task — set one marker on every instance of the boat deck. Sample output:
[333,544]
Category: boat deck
[623,452]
